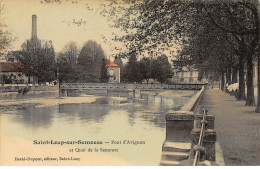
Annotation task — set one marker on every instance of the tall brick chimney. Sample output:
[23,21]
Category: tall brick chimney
[34,27]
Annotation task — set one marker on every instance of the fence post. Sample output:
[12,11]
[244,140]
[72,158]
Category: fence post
[210,119]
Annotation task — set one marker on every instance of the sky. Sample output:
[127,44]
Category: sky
[54,22]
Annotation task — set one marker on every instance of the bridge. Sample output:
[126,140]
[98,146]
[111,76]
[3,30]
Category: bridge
[128,86]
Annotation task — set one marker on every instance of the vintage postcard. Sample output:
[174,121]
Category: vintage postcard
[129,83]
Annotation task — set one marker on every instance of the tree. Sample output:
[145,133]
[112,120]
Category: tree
[258,57]
[46,69]
[131,71]
[39,58]
[155,26]
[66,73]
[90,61]
[5,40]
[144,66]
[104,77]
[6,37]
[213,52]
[155,30]
[161,69]
[67,62]
[239,18]
[123,74]
[71,53]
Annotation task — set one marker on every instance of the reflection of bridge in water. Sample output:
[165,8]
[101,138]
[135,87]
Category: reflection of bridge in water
[127,86]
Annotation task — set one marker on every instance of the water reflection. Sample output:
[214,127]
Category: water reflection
[149,108]
[83,112]
[30,116]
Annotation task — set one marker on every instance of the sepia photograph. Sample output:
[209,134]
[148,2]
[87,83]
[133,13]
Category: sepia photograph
[129,82]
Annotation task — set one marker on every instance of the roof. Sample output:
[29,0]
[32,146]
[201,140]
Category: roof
[108,63]
[185,69]
[12,67]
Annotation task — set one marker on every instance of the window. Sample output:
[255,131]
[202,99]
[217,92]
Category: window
[111,72]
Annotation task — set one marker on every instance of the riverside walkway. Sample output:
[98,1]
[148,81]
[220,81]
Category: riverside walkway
[237,127]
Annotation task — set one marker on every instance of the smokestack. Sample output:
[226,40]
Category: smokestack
[34,27]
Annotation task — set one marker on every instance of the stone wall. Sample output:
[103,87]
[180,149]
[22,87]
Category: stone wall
[183,129]
[179,125]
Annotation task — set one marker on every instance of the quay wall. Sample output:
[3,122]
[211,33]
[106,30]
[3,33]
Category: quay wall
[182,119]
[183,129]
[179,125]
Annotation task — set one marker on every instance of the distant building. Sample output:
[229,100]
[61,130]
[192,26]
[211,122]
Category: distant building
[187,75]
[14,73]
[113,71]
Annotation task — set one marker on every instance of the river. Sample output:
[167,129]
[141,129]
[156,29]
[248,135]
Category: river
[115,119]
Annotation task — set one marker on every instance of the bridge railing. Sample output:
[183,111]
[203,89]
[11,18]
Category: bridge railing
[133,86]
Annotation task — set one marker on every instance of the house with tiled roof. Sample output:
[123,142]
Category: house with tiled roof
[14,73]
[113,71]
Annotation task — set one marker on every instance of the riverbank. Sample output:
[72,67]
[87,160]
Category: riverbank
[237,127]
[47,102]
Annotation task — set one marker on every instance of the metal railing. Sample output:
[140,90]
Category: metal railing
[198,151]
[135,86]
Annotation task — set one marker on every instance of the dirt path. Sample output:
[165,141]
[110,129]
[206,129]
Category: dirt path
[237,127]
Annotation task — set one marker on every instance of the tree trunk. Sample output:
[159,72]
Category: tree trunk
[257,17]
[241,90]
[222,85]
[228,75]
[258,75]
[250,101]
[219,83]
[234,75]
